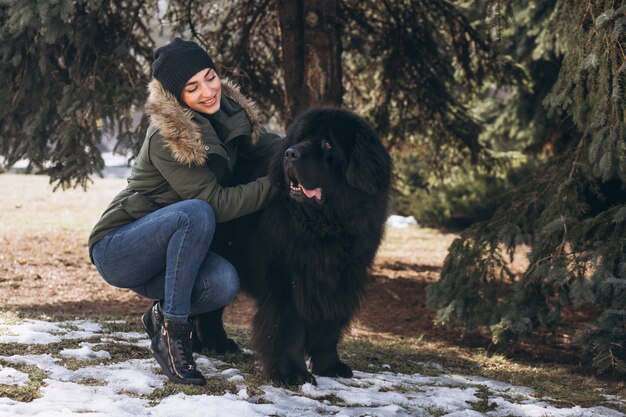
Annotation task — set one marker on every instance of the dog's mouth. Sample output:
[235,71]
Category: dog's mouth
[300,193]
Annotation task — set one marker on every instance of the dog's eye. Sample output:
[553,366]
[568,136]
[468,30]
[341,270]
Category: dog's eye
[326,145]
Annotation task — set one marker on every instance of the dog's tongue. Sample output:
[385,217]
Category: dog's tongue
[317,193]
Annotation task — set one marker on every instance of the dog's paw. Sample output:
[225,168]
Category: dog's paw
[219,347]
[225,346]
[343,370]
[293,376]
[338,369]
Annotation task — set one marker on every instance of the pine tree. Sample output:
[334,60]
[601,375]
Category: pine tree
[70,70]
[571,212]
[406,66]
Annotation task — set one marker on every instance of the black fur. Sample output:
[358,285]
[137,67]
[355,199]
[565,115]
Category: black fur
[305,260]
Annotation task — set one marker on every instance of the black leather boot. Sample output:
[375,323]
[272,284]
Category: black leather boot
[152,319]
[172,348]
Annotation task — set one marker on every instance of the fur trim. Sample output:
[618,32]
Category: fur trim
[175,121]
[233,91]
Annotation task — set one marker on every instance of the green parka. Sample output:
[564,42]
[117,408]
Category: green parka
[187,155]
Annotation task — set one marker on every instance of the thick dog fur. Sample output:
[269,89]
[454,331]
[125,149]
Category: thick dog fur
[305,257]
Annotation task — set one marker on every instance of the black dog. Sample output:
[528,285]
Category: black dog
[304,258]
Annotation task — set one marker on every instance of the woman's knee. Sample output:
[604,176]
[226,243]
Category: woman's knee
[199,210]
[198,214]
[227,285]
[217,286]
[231,283]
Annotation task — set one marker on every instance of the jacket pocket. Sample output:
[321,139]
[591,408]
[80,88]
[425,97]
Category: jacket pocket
[138,205]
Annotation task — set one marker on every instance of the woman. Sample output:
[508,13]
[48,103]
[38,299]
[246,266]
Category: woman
[154,237]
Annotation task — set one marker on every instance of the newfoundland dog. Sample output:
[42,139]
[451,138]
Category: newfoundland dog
[305,257]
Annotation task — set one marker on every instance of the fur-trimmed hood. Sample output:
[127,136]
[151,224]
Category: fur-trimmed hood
[182,134]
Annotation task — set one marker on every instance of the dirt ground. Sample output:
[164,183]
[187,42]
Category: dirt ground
[51,273]
[44,267]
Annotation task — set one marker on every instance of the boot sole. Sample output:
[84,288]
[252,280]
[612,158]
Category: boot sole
[171,376]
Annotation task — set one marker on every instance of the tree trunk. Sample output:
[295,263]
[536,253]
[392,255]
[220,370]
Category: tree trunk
[311,47]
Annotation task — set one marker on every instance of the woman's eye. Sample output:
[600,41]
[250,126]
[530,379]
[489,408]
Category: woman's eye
[191,90]
[326,145]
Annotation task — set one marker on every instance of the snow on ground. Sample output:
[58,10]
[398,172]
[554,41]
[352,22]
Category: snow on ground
[9,376]
[115,165]
[400,222]
[120,389]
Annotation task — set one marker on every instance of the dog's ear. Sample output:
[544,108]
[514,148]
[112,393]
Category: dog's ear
[369,163]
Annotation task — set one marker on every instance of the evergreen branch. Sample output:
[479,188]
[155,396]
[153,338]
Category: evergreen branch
[575,162]
[191,25]
[589,12]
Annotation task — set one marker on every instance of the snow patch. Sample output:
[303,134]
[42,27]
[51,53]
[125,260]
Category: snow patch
[10,376]
[121,389]
[401,222]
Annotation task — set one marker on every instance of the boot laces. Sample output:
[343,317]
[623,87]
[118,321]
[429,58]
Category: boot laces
[186,350]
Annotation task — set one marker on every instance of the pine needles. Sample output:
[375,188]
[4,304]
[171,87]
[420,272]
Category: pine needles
[572,212]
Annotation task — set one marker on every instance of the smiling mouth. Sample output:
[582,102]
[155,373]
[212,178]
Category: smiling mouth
[210,101]
[297,190]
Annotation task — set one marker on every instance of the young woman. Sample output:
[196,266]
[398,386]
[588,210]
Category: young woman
[154,237]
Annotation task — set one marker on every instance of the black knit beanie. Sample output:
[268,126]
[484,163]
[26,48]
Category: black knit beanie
[175,63]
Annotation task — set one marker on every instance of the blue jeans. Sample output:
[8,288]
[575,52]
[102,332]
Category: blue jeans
[165,255]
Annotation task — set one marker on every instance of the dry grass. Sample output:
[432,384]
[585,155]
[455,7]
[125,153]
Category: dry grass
[28,204]
[44,261]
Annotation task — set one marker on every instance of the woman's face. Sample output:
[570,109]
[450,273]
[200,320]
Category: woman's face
[203,92]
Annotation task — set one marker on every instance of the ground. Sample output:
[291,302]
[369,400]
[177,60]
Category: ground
[49,271]
[45,269]
[44,265]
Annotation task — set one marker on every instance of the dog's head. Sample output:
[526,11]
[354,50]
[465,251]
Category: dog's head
[331,153]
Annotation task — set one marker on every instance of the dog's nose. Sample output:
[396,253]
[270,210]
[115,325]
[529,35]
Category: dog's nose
[292,154]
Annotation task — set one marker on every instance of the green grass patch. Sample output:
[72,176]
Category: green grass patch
[121,352]
[74,364]
[403,388]
[9,318]
[435,411]
[71,327]
[253,376]
[482,405]
[92,382]
[132,325]
[564,385]
[53,349]
[323,412]
[392,356]
[214,386]
[27,392]
[332,399]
